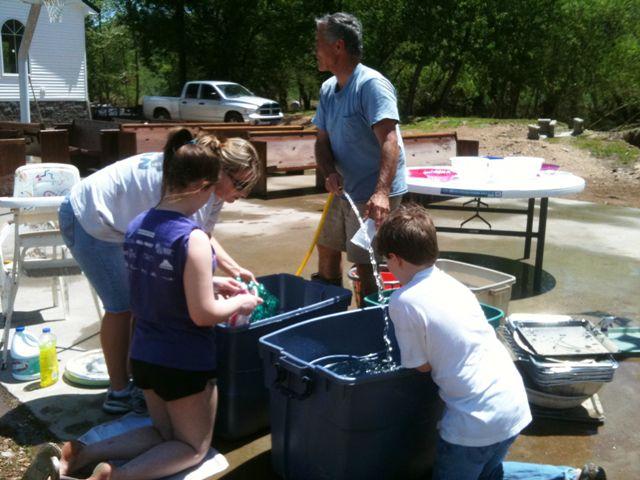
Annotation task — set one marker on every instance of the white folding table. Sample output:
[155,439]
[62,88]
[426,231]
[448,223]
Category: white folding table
[546,184]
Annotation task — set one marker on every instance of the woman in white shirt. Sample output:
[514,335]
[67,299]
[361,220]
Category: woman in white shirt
[95,216]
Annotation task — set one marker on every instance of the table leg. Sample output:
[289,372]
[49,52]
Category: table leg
[542,227]
[527,239]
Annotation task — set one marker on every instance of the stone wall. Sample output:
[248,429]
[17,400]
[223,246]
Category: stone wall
[52,111]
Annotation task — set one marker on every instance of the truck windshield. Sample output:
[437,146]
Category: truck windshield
[231,90]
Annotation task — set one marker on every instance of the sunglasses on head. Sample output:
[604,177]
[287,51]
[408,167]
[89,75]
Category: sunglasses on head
[239,185]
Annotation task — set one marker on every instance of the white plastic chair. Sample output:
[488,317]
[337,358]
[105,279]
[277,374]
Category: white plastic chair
[39,250]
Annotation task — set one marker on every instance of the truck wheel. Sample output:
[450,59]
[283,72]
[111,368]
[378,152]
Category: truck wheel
[161,114]
[234,117]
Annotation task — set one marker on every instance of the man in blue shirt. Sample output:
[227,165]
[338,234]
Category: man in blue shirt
[359,147]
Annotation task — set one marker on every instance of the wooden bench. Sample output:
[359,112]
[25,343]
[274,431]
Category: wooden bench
[135,138]
[435,148]
[12,156]
[284,151]
[29,131]
[87,144]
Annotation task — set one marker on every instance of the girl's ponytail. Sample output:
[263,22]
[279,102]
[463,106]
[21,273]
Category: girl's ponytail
[177,138]
[186,161]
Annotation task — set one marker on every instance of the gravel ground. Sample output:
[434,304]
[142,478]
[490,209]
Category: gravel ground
[607,182]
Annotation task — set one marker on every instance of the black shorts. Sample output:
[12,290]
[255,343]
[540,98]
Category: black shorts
[170,383]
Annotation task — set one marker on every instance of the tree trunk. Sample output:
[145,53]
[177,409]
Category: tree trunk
[137,67]
[413,87]
[304,95]
[181,43]
[444,93]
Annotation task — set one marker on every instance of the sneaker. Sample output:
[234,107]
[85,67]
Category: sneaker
[592,472]
[140,404]
[133,401]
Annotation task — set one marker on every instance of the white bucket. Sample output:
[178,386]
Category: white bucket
[25,356]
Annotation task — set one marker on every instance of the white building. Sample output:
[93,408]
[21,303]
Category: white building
[57,62]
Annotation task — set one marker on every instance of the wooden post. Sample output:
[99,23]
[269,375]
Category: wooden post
[578,126]
[260,189]
[320,179]
[127,146]
[543,123]
[467,148]
[12,155]
[108,146]
[552,129]
[534,132]
[54,146]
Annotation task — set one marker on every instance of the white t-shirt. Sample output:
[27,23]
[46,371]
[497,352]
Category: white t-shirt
[105,202]
[437,320]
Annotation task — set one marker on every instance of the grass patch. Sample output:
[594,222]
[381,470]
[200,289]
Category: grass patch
[616,150]
[431,124]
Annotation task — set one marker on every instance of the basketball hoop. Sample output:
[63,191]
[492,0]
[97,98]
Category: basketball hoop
[54,9]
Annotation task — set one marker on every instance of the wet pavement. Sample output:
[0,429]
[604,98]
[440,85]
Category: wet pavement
[592,269]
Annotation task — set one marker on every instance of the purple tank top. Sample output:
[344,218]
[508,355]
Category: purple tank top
[155,250]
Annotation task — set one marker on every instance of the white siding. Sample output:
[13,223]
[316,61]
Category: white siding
[57,55]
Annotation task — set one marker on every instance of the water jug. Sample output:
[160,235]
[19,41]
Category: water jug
[48,358]
[24,356]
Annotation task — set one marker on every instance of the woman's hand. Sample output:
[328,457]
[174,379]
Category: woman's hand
[227,286]
[244,274]
[249,303]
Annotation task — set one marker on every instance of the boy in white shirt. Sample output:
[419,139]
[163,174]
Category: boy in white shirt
[440,327]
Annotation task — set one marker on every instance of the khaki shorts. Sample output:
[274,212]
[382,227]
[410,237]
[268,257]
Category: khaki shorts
[341,224]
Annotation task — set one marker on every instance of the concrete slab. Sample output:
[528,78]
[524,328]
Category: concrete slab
[592,265]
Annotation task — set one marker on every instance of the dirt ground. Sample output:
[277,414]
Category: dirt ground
[607,183]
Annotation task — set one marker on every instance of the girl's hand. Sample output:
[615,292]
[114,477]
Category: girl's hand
[249,303]
[227,286]
[245,275]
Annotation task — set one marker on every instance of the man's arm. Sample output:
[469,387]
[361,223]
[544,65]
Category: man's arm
[378,204]
[228,264]
[326,163]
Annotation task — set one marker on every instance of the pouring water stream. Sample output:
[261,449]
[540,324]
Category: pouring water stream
[379,362]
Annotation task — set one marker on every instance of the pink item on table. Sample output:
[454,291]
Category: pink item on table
[443,174]
[549,167]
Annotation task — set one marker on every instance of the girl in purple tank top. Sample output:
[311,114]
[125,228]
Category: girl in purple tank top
[170,262]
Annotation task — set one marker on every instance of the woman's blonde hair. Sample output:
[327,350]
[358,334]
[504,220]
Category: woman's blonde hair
[236,156]
[188,159]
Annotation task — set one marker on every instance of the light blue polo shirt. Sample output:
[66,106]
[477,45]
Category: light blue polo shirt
[348,116]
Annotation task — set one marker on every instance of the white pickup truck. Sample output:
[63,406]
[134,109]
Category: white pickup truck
[213,101]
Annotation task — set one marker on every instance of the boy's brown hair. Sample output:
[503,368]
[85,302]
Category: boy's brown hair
[409,233]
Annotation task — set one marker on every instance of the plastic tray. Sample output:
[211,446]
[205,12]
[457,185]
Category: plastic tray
[627,339]
[489,286]
[563,338]
[493,315]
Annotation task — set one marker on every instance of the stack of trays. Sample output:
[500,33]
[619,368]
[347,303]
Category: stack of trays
[562,361]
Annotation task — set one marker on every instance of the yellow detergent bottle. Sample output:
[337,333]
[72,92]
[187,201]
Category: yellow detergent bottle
[48,358]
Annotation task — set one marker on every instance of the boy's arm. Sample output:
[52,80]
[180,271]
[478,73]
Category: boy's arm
[411,334]
[424,368]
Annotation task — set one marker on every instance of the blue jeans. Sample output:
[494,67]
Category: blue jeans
[101,262]
[455,462]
